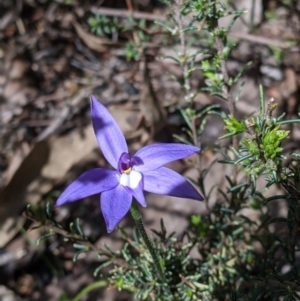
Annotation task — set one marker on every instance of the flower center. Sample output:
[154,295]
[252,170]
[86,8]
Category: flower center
[128,170]
[129,177]
[125,164]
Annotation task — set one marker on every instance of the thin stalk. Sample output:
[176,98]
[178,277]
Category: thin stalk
[183,58]
[185,69]
[89,288]
[226,89]
[295,213]
[135,212]
[76,238]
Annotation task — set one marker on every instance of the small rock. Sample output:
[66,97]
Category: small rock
[8,295]
[272,72]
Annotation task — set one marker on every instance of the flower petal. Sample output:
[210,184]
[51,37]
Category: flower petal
[133,183]
[166,181]
[115,204]
[109,136]
[156,155]
[89,183]
[138,193]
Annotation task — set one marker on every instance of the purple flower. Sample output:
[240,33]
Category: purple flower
[132,174]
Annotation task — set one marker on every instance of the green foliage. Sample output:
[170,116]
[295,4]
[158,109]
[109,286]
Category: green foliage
[234,126]
[102,25]
[261,148]
[277,54]
[272,15]
[84,291]
[131,51]
[271,141]
[200,227]
[187,278]
[208,11]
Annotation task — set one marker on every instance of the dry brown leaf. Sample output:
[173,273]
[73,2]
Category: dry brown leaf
[46,164]
[127,120]
[95,43]
[16,161]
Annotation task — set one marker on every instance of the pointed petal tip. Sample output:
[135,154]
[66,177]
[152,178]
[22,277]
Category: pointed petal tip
[109,230]
[61,201]
[57,204]
[92,97]
[168,182]
[196,196]
[96,103]
[89,183]
[94,100]
[201,198]
[193,148]
[64,201]
[115,204]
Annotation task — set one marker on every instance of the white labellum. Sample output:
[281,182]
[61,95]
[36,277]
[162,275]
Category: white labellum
[131,179]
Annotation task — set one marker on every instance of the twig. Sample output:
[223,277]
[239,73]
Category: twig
[259,40]
[226,88]
[130,6]
[295,212]
[178,18]
[51,97]
[270,284]
[123,13]
[185,67]
[67,111]
[76,238]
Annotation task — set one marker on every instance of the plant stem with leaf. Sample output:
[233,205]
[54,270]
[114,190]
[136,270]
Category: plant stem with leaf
[89,288]
[226,88]
[134,210]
